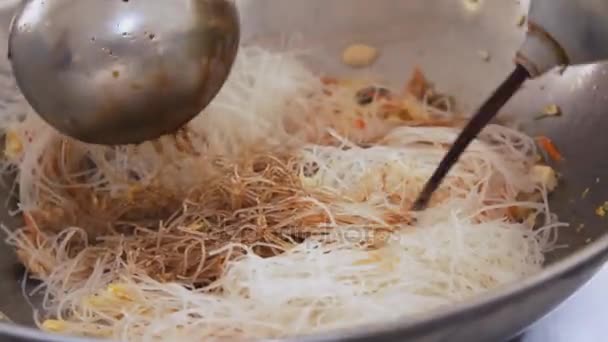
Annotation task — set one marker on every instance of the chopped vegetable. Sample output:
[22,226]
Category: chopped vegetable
[393,111]
[418,84]
[518,213]
[553,110]
[585,193]
[550,111]
[360,124]
[549,147]
[5,318]
[521,20]
[367,95]
[329,80]
[601,210]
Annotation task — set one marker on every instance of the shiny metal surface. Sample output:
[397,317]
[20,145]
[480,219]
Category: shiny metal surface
[116,72]
[551,43]
[444,37]
[548,44]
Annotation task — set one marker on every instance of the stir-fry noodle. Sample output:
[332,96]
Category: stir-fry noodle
[282,210]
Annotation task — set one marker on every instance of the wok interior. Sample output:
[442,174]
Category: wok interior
[445,38]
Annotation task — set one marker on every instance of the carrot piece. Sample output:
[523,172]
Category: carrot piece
[417,85]
[548,146]
[512,212]
[29,221]
[329,80]
[360,124]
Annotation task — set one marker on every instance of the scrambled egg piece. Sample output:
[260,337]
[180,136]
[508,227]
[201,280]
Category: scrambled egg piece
[14,146]
[545,176]
[119,291]
[54,325]
[601,210]
[115,294]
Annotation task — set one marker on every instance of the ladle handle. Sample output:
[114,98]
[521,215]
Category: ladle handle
[564,32]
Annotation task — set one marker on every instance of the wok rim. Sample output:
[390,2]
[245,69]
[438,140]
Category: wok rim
[595,252]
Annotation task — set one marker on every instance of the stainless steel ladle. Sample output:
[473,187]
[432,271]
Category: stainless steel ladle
[122,71]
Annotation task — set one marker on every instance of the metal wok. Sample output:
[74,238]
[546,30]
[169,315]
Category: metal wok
[445,38]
